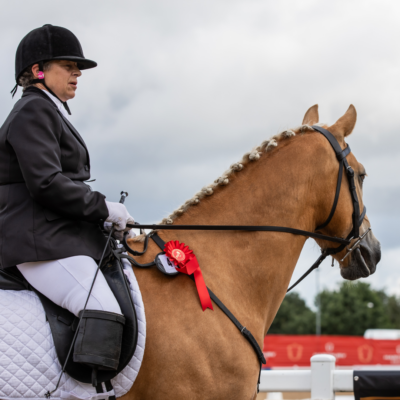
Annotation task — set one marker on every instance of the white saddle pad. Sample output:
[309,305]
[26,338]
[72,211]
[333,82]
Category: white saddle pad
[29,366]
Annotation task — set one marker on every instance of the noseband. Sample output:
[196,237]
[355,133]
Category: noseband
[343,243]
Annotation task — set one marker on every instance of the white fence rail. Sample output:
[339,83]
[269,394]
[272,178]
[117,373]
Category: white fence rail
[322,380]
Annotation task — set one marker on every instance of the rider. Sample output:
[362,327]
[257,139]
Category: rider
[49,218]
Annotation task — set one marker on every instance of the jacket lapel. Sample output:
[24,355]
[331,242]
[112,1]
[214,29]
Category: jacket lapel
[33,89]
[73,130]
[75,133]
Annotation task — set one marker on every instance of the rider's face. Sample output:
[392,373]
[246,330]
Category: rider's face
[61,78]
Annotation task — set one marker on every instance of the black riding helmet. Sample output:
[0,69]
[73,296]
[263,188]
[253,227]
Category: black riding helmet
[45,44]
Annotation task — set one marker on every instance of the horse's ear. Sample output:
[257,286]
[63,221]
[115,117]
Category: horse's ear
[344,125]
[311,117]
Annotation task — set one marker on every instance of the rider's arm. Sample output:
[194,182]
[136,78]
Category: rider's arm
[35,134]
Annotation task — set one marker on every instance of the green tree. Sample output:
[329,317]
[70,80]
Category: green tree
[392,309]
[355,307]
[293,317]
[349,310]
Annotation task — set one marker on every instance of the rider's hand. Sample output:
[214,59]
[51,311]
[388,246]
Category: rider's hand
[118,215]
[119,234]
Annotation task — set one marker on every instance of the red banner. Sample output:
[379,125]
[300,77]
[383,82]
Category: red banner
[296,350]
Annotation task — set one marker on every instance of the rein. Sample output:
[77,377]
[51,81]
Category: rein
[246,228]
[251,228]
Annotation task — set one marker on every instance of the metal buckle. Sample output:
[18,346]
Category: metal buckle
[359,240]
[350,171]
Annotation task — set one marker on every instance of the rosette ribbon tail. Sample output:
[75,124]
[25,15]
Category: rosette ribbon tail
[192,267]
[202,290]
[186,262]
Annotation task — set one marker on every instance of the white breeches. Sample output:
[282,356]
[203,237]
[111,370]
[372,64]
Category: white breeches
[67,282]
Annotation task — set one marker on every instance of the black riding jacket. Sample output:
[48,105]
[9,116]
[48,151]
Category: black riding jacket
[46,210]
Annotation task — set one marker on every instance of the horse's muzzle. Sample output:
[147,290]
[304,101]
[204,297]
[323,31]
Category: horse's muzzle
[363,259]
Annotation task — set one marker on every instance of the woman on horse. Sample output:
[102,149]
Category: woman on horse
[49,217]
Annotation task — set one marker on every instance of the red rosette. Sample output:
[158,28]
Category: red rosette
[186,262]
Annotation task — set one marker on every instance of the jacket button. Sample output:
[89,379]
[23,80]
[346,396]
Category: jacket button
[86,167]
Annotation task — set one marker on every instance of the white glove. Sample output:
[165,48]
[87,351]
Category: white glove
[119,234]
[118,215]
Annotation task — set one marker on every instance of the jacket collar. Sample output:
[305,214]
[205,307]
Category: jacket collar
[59,104]
[33,90]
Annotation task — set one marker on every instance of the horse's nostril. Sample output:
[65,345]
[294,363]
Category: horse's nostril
[371,252]
[361,263]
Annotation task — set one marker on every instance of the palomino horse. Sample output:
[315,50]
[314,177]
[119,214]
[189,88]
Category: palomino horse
[289,180]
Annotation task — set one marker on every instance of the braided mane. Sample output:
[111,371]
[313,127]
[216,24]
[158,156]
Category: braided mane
[254,155]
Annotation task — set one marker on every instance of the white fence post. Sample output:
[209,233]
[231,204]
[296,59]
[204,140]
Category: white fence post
[322,367]
[322,379]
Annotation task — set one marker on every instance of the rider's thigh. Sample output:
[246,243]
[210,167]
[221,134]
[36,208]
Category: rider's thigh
[67,282]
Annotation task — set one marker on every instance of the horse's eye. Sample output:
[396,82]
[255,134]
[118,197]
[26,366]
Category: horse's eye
[362,177]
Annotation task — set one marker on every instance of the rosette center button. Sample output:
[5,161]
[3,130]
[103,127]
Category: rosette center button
[178,254]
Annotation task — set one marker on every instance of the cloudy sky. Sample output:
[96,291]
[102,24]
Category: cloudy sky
[184,88]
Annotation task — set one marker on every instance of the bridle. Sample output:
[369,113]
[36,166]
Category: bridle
[343,243]
[356,217]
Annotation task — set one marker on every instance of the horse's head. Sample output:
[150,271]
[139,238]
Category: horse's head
[359,259]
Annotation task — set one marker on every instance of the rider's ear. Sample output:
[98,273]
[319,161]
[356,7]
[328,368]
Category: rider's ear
[311,117]
[344,125]
[35,70]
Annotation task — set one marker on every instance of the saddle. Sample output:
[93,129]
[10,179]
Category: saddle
[63,323]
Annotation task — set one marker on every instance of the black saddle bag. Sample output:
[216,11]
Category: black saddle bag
[63,324]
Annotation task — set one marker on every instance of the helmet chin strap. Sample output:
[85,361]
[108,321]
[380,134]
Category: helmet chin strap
[42,81]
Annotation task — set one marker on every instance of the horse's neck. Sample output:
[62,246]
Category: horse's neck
[250,271]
